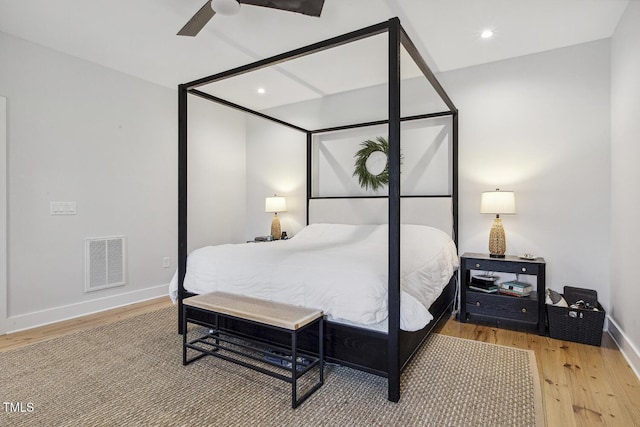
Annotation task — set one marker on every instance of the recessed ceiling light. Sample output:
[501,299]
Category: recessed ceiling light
[225,7]
[486,34]
[261,91]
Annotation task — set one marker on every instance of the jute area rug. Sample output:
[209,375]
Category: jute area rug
[130,373]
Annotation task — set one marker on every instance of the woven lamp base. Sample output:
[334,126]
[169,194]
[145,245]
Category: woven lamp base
[276,232]
[497,243]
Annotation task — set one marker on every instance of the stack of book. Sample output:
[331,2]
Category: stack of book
[484,283]
[515,288]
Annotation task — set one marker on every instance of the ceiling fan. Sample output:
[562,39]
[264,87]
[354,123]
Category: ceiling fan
[231,7]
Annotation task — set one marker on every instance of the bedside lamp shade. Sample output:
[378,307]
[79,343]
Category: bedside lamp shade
[497,202]
[275,204]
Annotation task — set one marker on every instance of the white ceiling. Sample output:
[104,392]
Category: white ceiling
[138,37]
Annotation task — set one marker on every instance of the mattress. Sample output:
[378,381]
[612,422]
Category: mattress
[338,268]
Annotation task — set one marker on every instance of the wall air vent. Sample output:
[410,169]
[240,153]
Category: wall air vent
[105,263]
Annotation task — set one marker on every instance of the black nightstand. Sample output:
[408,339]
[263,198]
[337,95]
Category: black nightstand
[521,313]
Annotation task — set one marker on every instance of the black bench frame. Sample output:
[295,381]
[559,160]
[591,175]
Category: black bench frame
[251,352]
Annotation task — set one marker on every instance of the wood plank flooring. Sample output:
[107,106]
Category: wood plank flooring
[43,333]
[581,385]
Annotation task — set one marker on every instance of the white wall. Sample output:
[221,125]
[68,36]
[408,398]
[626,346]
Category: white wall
[81,132]
[625,179]
[216,174]
[3,213]
[426,159]
[539,125]
[276,164]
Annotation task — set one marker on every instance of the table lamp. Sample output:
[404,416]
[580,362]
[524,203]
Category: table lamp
[275,204]
[497,202]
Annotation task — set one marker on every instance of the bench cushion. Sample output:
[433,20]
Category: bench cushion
[272,313]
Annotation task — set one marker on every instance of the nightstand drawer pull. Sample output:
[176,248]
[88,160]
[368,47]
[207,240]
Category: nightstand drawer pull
[477,303]
[477,265]
[524,269]
[524,310]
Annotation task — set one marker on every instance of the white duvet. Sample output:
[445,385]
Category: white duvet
[340,269]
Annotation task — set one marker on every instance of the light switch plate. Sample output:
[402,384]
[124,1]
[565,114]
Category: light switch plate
[62,208]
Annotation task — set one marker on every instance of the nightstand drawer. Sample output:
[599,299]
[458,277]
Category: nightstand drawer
[504,306]
[503,266]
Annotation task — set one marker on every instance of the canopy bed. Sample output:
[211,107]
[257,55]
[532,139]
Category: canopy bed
[387,343]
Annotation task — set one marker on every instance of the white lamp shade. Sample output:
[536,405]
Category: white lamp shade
[275,204]
[225,7]
[498,202]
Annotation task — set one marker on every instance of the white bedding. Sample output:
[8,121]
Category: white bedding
[341,269]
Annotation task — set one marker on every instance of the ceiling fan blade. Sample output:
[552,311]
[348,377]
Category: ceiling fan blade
[306,7]
[197,21]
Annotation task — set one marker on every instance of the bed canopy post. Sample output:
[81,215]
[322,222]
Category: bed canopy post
[454,180]
[309,188]
[182,196]
[393,377]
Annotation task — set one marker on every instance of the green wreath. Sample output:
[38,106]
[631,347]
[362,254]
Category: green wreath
[365,178]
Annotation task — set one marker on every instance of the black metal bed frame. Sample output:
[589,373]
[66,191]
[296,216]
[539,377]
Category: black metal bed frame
[351,346]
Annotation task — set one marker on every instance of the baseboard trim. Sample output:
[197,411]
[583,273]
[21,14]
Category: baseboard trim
[71,311]
[626,347]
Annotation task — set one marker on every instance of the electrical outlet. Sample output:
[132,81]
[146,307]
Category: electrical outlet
[166,262]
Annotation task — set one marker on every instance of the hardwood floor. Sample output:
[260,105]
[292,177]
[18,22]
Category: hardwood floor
[582,385]
[54,330]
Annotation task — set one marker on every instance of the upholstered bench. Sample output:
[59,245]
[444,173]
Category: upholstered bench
[253,352]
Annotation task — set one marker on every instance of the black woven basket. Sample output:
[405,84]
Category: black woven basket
[576,324]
